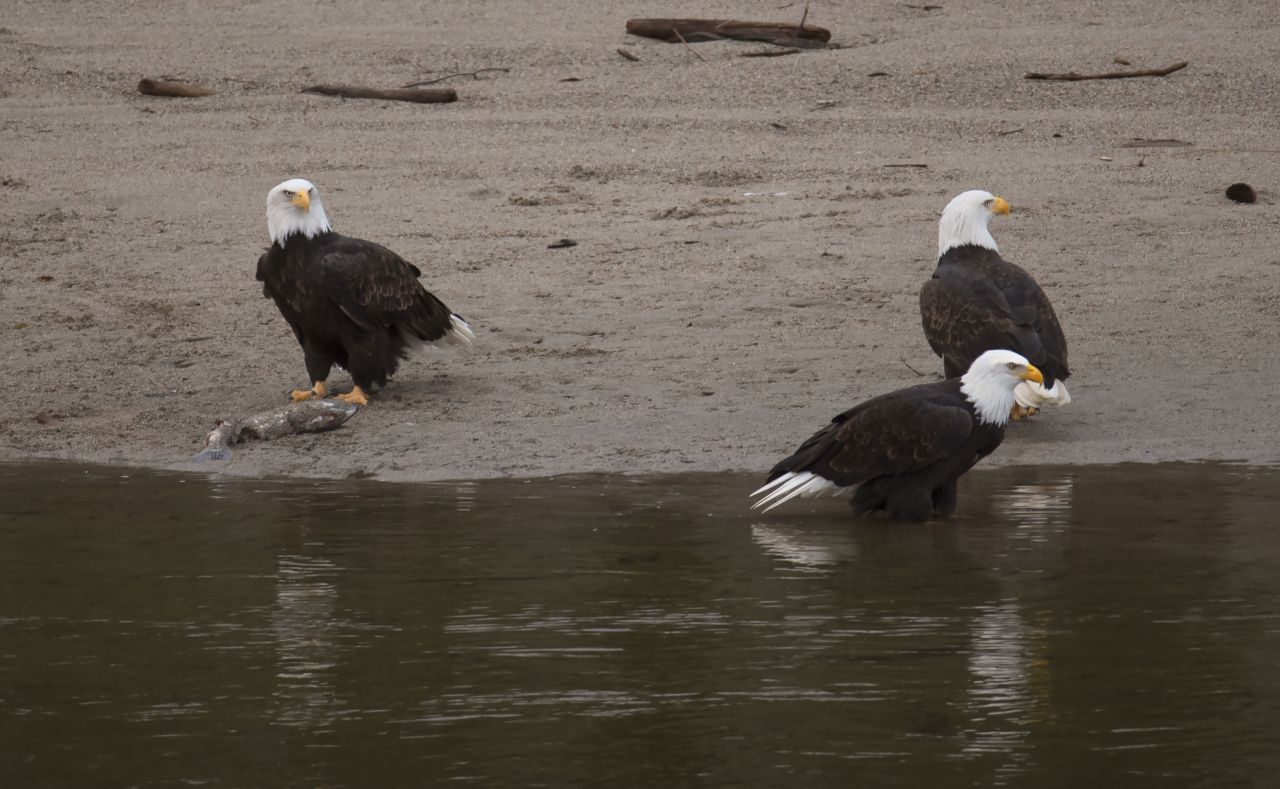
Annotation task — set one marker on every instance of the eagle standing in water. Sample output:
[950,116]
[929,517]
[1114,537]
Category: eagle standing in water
[906,449]
[350,302]
[977,301]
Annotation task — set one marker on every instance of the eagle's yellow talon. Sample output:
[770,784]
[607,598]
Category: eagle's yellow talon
[318,391]
[355,396]
[1021,413]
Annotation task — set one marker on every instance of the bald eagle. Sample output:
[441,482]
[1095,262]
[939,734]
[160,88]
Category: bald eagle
[906,449]
[350,302]
[977,301]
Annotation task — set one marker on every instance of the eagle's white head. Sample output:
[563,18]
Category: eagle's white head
[294,207]
[964,220]
[990,382]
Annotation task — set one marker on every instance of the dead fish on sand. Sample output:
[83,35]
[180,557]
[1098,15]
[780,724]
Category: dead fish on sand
[309,416]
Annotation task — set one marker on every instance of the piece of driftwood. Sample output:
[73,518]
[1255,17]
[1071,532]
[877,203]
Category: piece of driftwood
[693,31]
[419,95]
[628,55]
[1160,143]
[771,53]
[1073,76]
[173,88]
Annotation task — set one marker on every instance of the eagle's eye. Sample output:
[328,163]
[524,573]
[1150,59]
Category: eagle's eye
[986,203]
[287,193]
[1012,365]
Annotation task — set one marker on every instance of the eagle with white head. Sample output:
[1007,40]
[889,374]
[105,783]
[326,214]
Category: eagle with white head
[977,301]
[350,302]
[905,450]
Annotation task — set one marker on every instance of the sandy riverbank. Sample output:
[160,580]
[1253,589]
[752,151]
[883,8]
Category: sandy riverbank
[747,266]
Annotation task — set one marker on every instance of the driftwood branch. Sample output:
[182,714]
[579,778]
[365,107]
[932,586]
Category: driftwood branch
[1159,143]
[1073,76]
[771,53]
[475,74]
[419,95]
[692,31]
[163,87]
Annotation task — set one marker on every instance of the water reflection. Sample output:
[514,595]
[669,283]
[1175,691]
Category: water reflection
[1044,504]
[804,551]
[1000,700]
[1068,627]
[303,625]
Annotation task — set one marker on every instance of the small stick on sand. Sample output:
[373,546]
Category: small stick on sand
[628,55]
[1074,77]
[695,30]
[1160,143]
[418,95]
[475,74]
[905,164]
[912,369]
[686,45]
[173,89]
[771,53]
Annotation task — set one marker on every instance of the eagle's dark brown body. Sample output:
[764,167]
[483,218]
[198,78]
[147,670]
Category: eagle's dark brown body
[977,301]
[906,449]
[352,303]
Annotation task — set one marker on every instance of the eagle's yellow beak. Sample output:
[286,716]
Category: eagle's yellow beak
[302,200]
[999,206]
[1032,374]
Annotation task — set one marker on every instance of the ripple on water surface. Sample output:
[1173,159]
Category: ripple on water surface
[1072,626]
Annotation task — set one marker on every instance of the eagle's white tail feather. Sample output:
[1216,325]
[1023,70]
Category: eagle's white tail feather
[790,485]
[1030,394]
[773,484]
[781,487]
[459,332]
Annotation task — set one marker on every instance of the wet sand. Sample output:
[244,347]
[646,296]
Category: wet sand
[747,265]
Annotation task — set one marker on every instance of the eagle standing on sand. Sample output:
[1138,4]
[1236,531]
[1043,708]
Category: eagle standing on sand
[350,302]
[906,449]
[977,301]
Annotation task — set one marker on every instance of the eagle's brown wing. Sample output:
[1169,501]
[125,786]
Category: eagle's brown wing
[967,312]
[895,433]
[375,287]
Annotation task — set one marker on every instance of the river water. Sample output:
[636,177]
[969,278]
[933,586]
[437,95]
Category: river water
[1072,627]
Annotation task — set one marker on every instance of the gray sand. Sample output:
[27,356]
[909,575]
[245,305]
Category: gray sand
[747,265]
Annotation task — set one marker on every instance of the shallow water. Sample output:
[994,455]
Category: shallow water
[1071,627]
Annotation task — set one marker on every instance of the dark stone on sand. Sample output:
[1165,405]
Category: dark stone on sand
[1242,193]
